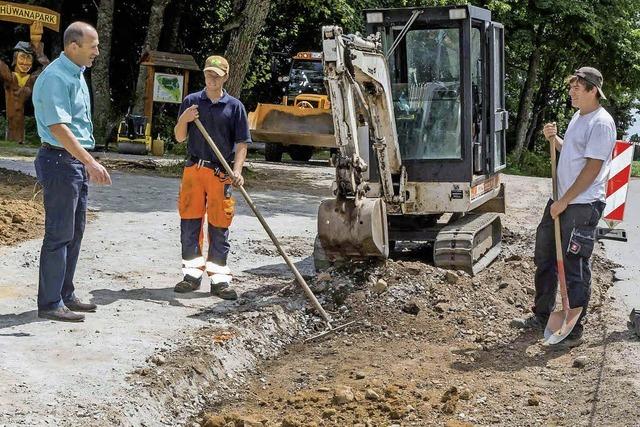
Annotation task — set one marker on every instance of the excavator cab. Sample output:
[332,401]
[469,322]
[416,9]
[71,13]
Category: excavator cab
[447,82]
[420,111]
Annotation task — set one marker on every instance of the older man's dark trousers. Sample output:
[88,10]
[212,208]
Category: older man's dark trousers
[578,229]
[65,188]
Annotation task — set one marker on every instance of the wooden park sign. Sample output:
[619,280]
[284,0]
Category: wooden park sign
[27,14]
[162,87]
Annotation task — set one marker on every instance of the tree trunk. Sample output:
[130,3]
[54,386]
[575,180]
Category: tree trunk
[55,43]
[173,38]
[524,111]
[150,43]
[539,110]
[102,111]
[244,30]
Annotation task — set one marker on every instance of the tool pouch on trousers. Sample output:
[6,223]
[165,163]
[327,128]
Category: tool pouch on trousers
[582,241]
[228,205]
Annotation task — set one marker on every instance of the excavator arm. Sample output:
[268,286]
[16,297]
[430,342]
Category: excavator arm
[359,87]
[354,224]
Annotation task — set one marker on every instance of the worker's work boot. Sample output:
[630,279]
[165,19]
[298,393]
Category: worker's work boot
[220,277]
[573,340]
[61,314]
[188,284]
[224,290]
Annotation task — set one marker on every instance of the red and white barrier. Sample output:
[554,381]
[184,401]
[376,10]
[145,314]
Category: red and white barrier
[618,183]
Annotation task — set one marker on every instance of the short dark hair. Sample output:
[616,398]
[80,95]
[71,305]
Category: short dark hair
[582,82]
[75,33]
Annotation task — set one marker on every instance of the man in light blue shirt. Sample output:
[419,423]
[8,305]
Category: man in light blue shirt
[64,168]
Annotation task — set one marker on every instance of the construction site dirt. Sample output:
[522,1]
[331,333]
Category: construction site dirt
[429,346]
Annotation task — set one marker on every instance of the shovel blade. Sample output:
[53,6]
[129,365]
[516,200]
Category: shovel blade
[560,324]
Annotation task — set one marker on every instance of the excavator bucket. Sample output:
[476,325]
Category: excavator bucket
[288,125]
[349,229]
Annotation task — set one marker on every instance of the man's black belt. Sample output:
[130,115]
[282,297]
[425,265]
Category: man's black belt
[48,146]
[216,167]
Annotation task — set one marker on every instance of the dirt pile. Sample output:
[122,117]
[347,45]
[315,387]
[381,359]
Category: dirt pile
[21,210]
[431,347]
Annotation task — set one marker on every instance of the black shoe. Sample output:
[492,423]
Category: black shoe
[62,314]
[574,339]
[77,305]
[224,291]
[568,343]
[536,322]
[188,284]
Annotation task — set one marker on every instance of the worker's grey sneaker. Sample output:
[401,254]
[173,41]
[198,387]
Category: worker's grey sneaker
[224,291]
[76,305]
[188,284]
[61,314]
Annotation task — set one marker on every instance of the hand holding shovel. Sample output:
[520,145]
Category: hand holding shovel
[561,322]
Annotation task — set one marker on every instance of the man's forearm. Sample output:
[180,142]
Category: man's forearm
[64,136]
[240,157]
[587,175]
[180,131]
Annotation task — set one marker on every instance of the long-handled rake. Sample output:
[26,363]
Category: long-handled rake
[561,322]
[310,296]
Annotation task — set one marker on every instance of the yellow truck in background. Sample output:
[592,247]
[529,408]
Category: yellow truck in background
[303,121]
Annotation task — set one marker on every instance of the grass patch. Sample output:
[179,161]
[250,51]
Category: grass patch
[170,171]
[13,149]
[531,164]
[13,144]
[635,168]
[175,171]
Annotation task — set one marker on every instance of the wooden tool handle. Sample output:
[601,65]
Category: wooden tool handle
[558,237]
[312,298]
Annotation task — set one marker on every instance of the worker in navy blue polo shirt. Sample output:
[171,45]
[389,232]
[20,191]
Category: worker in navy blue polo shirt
[64,168]
[205,187]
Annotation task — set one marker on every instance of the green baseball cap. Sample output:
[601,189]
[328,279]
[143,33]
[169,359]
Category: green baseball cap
[217,64]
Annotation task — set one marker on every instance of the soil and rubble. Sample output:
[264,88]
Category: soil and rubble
[431,347]
[21,211]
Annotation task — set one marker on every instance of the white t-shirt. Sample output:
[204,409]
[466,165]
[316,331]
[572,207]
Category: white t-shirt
[590,136]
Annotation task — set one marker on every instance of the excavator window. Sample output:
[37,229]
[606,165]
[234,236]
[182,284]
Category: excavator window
[477,94]
[427,95]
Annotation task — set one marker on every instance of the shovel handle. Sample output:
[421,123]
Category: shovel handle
[312,298]
[558,237]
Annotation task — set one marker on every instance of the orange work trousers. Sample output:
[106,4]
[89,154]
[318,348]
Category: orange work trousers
[203,191]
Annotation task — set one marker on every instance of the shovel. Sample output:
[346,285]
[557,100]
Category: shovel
[561,322]
[310,296]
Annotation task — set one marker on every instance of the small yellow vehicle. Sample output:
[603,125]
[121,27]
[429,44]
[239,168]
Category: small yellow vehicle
[134,135]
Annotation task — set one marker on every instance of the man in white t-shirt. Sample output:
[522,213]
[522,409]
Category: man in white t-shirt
[583,168]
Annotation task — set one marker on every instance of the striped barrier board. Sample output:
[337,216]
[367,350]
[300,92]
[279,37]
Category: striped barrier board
[618,183]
